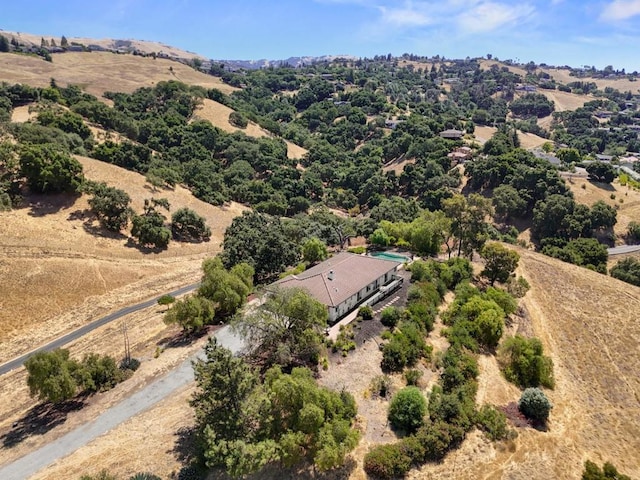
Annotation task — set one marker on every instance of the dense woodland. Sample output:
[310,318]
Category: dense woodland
[354,118]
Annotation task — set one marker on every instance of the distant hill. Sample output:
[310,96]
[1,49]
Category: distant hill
[128,45]
[291,61]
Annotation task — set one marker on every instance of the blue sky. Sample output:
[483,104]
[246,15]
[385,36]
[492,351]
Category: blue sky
[558,32]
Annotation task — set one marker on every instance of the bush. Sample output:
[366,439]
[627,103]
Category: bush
[492,422]
[111,205]
[407,410]
[387,461]
[524,363]
[608,472]
[381,386]
[365,312]
[535,405]
[412,376]
[238,120]
[390,316]
[627,270]
[187,225]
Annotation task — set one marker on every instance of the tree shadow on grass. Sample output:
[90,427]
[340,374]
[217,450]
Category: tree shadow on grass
[41,205]
[131,243]
[39,420]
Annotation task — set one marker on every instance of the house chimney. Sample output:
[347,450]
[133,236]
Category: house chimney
[330,276]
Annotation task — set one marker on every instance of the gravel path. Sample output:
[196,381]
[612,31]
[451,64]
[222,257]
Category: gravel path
[131,406]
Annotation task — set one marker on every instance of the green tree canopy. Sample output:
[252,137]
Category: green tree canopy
[48,170]
[314,250]
[407,409]
[53,376]
[111,205]
[535,405]
[259,240]
[187,225]
[524,363]
[287,330]
[500,262]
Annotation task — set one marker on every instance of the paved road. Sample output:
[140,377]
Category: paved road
[138,402]
[623,249]
[71,336]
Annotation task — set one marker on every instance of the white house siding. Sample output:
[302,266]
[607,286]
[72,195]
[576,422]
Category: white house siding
[355,300]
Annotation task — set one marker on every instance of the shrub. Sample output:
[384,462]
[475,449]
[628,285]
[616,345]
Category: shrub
[535,405]
[492,422]
[608,472]
[166,300]
[365,312]
[407,409]
[412,376]
[381,386]
[344,343]
[187,225]
[627,270]
[387,461]
[524,363]
[390,316]
[238,120]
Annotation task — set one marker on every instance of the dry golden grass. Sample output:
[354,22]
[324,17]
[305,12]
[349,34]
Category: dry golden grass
[588,325]
[628,210]
[562,75]
[564,101]
[58,270]
[145,46]
[218,115]
[98,72]
[528,141]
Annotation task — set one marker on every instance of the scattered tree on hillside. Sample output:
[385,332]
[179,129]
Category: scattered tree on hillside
[607,472]
[500,262]
[524,363]
[468,225]
[64,43]
[149,227]
[187,225]
[407,409]
[52,376]
[627,270]
[111,205]
[55,377]
[603,216]
[227,289]
[49,170]
[4,44]
[601,172]
[192,313]
[535,405]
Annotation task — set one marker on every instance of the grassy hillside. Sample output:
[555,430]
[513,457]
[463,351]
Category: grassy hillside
[56,260]
[99,72]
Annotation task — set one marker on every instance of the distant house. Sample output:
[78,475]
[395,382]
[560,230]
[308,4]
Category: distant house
[460,155]
[392,124]
[75,48]
[452,134]
[97,48]
[604,158]
[343,282]
[603,114]
[549,157]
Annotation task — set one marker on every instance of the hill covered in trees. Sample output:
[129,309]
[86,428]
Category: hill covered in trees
[390,158]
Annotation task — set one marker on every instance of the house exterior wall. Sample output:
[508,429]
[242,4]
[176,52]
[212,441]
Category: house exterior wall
[354,300]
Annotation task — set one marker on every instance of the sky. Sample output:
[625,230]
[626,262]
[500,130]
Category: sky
[556,32]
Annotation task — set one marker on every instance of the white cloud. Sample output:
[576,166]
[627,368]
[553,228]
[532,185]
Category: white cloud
[407,16]
[620,10]
[488,16]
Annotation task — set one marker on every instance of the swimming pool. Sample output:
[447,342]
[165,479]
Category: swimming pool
[390,256]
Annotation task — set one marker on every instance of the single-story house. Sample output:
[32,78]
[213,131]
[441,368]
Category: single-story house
[452,134]
[343,282]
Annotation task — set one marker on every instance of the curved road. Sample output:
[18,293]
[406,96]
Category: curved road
[71,336]
[623,249]
[35,461]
